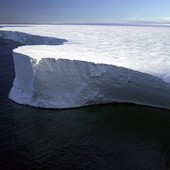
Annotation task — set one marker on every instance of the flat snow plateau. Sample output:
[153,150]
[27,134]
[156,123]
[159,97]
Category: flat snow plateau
[97,64]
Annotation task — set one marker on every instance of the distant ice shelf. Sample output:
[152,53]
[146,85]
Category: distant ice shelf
[28,39]
[69,76]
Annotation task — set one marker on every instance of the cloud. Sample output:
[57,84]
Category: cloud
[137,19]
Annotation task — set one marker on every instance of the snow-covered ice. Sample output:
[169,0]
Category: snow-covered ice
[98,64]
[28,39]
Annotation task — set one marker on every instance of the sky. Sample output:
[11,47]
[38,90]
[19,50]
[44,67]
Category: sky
[83,11]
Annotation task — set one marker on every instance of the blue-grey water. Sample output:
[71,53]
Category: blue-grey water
[112,136]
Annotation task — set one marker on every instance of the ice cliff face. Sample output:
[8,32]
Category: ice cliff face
[61,82]
[75,75]
[28,39]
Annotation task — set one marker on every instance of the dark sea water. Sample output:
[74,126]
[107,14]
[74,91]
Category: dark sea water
[112,136]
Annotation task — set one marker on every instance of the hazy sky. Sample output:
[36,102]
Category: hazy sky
[47,11]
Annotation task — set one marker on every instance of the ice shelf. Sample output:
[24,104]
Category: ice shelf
[69,76]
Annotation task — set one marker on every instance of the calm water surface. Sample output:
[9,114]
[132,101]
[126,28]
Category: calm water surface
[113,136]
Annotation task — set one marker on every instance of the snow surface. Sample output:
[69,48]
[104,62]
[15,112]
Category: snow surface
[98,64]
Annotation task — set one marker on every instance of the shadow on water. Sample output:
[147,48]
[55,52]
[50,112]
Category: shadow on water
[112,136]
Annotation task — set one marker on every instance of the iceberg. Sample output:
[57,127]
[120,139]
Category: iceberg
[48,79]
[74,75]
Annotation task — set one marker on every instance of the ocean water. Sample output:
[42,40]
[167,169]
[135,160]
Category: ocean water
[112,136]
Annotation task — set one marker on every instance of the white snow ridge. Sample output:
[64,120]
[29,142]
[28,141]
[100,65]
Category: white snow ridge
[76,74]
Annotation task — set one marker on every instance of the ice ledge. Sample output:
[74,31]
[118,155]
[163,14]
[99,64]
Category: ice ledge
[63,83]
[28,39]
